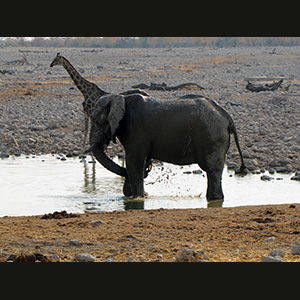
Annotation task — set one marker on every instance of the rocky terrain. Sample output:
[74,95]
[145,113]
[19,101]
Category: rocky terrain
[41,109]
[247,233]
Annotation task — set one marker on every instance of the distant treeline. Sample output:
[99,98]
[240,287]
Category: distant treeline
[151,42]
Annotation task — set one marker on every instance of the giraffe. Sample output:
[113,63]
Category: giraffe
[90,91]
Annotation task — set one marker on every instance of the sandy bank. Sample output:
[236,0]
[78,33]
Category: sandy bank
[223,234]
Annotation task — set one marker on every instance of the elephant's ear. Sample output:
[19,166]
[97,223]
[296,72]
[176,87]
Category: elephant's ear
[116,112]
[114,108]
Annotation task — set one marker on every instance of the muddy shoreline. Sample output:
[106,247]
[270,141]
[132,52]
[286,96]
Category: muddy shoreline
[41,109]
[244,234]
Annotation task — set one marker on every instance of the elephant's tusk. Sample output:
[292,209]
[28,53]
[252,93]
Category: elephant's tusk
[89,149]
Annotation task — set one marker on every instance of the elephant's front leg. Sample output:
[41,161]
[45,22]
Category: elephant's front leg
[126,188]
[135,171]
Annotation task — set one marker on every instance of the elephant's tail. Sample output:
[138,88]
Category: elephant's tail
[232,129]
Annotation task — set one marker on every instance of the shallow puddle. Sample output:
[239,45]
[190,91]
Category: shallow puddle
[43,184]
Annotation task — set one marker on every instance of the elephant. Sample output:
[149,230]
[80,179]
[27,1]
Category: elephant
[181,132]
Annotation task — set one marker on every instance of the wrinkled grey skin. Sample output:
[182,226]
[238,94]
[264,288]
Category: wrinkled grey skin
[180,132]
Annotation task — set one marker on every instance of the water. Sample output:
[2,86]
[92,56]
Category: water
[43,184]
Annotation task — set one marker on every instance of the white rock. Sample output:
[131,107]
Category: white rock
[296,249]
[131,259]
[272,259]
[269,239]
[110,259]
[84,257]
[74,243]
[185,255]
[277,252]
[96,222]
[55,257]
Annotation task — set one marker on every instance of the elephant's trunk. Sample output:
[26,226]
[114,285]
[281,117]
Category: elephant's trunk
[105,161]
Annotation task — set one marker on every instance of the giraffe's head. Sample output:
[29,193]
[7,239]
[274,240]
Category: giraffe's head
[57,60]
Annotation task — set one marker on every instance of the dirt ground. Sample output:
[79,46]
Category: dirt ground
[235,234]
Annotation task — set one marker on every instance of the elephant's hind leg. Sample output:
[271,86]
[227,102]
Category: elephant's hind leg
[214,185]
[213,166]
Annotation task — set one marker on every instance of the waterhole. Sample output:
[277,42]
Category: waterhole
[32,185]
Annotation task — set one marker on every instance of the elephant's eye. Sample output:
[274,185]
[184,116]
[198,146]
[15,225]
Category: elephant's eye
[95,121]
[98,120]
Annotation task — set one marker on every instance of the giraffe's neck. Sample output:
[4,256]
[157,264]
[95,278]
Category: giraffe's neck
[82,84]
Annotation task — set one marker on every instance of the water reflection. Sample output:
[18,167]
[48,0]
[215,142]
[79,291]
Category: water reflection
[215,203]
[89,177]
[134,204]
[110,201]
